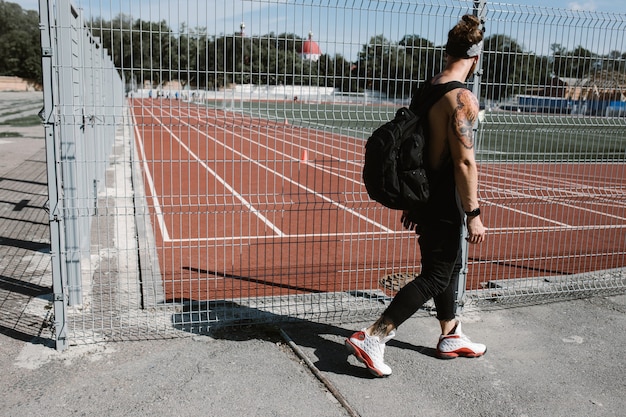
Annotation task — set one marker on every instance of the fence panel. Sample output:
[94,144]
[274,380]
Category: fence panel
[226,187]
[552,156]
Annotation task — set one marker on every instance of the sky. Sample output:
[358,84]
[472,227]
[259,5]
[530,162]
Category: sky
[610,6]
[607,6]
[341,29]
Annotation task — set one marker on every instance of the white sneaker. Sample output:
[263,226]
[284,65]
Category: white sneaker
[457,344]
[370,351]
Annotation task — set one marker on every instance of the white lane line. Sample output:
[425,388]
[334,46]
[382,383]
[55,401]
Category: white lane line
[546,199]
[297,184]
[342,235]
[153,193]
[245,202]
[311,133]
[352,235]
[525,213]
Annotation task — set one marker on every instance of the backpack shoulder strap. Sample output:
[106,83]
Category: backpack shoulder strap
[430,94]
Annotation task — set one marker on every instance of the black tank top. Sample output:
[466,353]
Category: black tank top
[443,202]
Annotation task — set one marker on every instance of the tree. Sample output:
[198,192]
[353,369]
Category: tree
[508,68]
[374,61]
[616,61]
[575,64]
[151,53]
[20,50]
[423,59]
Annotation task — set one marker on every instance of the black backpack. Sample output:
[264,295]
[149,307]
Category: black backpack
[394,173]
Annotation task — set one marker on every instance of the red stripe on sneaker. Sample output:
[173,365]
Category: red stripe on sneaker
[363,357]
[466,352]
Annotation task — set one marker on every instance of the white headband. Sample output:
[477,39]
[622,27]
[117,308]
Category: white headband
[474,50]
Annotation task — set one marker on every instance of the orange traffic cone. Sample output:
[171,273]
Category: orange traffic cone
[305,156]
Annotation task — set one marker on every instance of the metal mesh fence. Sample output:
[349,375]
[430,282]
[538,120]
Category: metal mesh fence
[552,155]
[225,187]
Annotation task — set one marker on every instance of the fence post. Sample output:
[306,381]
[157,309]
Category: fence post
[55,200]
[70,106]
[480,11]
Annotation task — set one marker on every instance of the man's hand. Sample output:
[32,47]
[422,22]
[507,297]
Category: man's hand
[475,230]
[407,222]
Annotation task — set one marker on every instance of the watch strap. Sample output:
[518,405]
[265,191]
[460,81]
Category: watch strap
[473,213]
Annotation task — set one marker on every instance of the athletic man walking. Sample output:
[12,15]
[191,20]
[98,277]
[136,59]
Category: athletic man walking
[453,179]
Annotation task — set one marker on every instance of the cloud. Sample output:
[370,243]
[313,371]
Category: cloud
[586,5]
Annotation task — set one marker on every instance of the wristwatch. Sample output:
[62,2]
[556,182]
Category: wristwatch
[473,213]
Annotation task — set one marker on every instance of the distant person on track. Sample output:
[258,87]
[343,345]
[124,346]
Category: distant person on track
[453,179]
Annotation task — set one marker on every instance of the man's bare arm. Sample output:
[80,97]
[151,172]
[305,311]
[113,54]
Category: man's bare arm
[461,141]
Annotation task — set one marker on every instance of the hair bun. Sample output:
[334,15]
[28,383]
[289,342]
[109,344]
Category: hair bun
[471,20]
[463,36]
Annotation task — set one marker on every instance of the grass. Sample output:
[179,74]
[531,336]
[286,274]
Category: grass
[502,137]
[10,135]
[10,113]
[26,121]
[535,138]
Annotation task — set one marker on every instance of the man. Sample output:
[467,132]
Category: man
[453,179]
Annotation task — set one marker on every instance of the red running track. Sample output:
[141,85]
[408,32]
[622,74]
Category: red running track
[246,207]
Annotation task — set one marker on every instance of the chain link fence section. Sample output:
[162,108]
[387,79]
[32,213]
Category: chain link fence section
[204,161]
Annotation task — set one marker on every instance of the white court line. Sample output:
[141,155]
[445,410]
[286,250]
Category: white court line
[159,212]
[509,173]
[566,228]
[341,235]
[309,190]
[245,202]
[153,194]
[319,167]
[385,231]
[356,144]
[353,235]
[546,199]
[525,213]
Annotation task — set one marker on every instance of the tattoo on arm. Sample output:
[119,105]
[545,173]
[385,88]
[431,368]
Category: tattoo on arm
[463,118]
